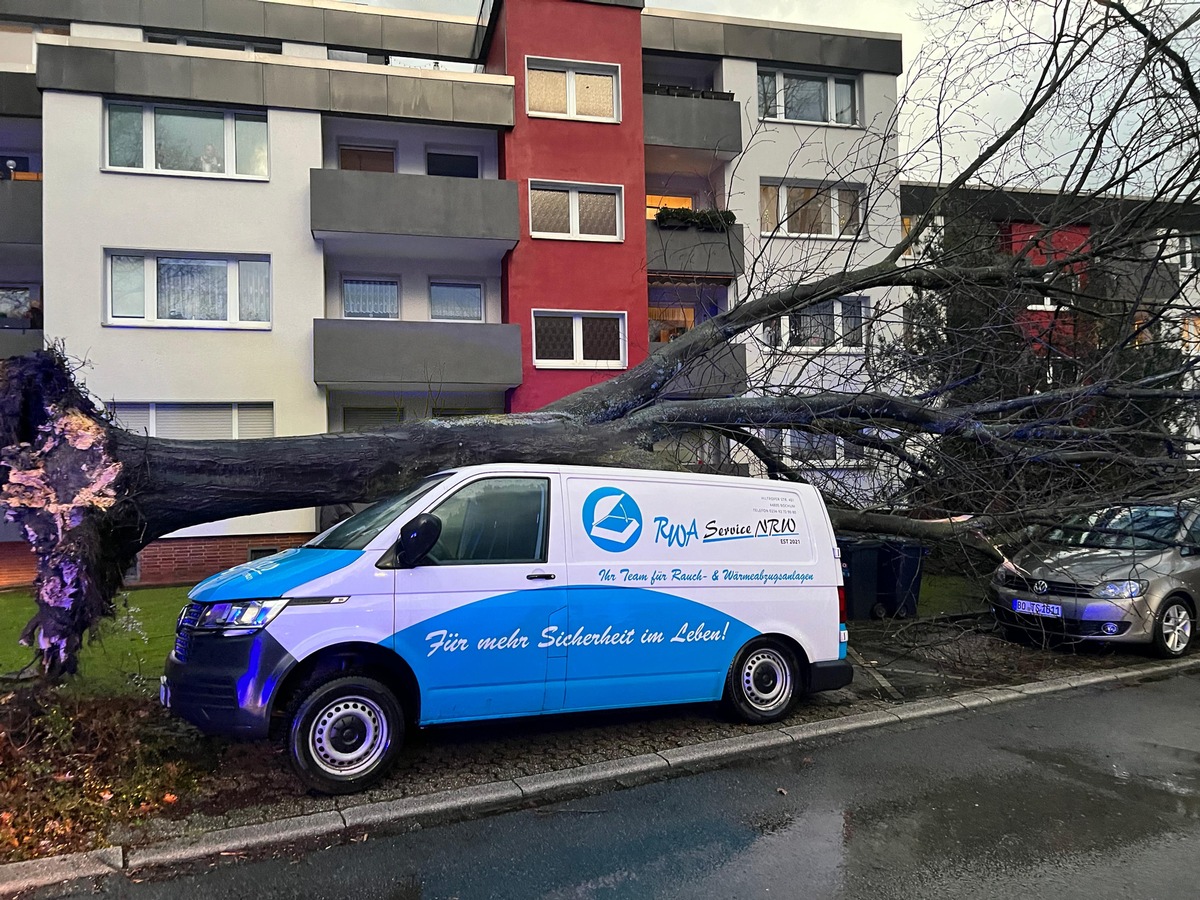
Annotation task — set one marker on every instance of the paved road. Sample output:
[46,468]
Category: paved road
[1087,794]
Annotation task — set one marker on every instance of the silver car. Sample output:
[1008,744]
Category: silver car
[1128,574]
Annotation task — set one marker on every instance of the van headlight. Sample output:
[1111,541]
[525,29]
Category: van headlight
[1120,590]
[240,614]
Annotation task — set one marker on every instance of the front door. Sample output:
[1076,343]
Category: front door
[471,617]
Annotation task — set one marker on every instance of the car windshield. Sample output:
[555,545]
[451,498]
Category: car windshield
[1121,528]
[362,528]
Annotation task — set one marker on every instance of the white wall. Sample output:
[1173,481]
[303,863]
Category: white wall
[87,210]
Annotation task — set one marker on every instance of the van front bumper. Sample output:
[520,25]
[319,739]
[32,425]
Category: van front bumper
[830,675]
[224,684]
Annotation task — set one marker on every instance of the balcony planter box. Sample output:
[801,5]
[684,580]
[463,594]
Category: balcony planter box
[673,217]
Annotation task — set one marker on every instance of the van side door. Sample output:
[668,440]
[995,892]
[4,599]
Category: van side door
[470,616]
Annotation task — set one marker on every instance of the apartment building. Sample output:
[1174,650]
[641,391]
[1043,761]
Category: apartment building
[280,217]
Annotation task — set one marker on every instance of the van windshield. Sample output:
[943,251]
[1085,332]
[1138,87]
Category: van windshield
[1120,528]
[363,527]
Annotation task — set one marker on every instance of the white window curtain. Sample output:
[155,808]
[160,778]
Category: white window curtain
[254,290]
[369,299]
[193,289]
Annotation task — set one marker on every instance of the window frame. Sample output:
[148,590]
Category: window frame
[452,280]
[547,512]
[148,166]
[450,150]
[577,316]
[840,459]
[369,147]
[574,188]
[343,277]
[1189,252]
[831,80]
[832,192]
[837,345]
[150,318]
[572,67]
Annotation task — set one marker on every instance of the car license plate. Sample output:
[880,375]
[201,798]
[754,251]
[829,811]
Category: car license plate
[1047,610]
[164,691]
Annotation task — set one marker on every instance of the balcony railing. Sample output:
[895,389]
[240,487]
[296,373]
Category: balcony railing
[702,121]
[693,252]
[719,373]
[21,212]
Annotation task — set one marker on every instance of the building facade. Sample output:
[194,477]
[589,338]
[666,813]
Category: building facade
[279,217]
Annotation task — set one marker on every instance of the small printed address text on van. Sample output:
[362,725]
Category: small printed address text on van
[684,576]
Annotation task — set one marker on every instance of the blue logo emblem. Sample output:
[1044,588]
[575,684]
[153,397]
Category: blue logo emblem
[611,519]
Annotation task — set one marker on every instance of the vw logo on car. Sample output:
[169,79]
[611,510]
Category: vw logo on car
[1040,587]
[612,519]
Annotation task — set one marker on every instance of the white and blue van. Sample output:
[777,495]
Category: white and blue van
[516,590]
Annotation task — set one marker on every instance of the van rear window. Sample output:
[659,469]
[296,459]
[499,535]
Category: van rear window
[362,528]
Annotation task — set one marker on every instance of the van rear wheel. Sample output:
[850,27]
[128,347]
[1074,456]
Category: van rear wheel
[764,682]
[345,734]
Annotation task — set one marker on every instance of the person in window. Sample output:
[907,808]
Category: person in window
[35,314]
[210,161]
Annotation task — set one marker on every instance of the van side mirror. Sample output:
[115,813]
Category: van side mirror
[417,537]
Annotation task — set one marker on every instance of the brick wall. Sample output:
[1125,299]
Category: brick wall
[18,565]
[188,560]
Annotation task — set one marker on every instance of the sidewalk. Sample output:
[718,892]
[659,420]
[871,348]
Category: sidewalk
[869,702]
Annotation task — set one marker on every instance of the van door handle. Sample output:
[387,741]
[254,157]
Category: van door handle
[541,576]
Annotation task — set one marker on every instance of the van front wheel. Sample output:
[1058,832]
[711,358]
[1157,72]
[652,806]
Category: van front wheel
[345,734]
[764,682]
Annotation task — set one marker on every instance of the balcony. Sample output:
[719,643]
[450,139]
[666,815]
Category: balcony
[703,126]
[719,373]
[21,212]
[428,215]
[691,252]
[16,341]
[389,355]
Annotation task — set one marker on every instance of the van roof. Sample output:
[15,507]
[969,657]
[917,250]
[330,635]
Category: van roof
[618,472]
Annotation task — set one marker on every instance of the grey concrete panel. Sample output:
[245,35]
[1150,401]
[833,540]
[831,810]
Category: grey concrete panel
[748,42]
[173,15]
[295,87]
[699,37]
[349,352]
[294,23]
[114,12]
[21,212]
[19,95]
[803,48]
[483,104]
[420,98]
[386,203]
[456,40]
[719,373]
[76,69]
[360,31]
[227,81]
[690,251]
[416,37]
[50,10]
[694,123]
[153,75]
[358,92]
[658,33]
[882,56]
[244,18]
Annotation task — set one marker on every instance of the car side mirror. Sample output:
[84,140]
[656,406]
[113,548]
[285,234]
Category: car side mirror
[1189,550]
[417,537]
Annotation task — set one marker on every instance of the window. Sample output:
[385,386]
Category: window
[572,90]
[807,446]
[456,301]
[20,306]
[796,97]
[371,418]
[183,139]
[1189,252]
[578,340]
[1191,334]
[369,298]
[178,290]
[655,202]
[197,421]
[253,553]
[452,165]
[498,520]
[804,211]
[366,159]
[215,43]
[589,212]
[669,322]
[834,323]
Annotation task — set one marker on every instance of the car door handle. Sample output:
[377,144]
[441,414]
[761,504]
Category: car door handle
[541,576]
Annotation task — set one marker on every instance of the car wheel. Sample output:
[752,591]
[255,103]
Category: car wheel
[1173,628]
[764,682]
[345,734]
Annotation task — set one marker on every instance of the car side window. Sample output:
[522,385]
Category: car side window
[1193,533]
[497,520]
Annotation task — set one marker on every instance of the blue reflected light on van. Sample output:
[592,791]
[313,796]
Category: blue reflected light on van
[273,576]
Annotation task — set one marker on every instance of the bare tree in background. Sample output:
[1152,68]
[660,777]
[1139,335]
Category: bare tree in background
[967,406]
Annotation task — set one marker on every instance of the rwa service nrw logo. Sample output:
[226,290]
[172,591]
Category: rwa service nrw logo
[612,519]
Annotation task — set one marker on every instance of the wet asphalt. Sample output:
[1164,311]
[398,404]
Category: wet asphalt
[1092,793]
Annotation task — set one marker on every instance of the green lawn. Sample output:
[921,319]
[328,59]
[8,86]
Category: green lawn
[129,652]
[950,594]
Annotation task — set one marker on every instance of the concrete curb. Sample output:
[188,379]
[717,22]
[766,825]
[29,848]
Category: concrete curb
[534,789]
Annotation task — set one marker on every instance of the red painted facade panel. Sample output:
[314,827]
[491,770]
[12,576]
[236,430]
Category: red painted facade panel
[582,275]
